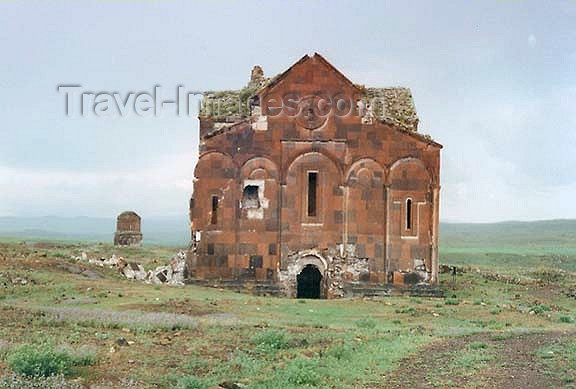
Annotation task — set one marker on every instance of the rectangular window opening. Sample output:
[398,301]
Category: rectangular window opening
[256,262]
[409,214]
[272,249]
[214,215]
[250,199]
[312,193]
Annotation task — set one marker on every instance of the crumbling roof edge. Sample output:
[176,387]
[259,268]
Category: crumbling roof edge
[225,129]
[418,136]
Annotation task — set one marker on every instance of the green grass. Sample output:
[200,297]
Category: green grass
[45,360]
[191,382]
[264,342]
[560,359]
[366,322]
[464,364]
[272,340]
[511,246]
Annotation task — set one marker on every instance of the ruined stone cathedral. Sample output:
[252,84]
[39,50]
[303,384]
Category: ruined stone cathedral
[308,185]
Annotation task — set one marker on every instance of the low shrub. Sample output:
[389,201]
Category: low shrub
[451,301]
[138,321]
[366,322]
[21,382]
[407,310]
[191,382]
[548,275]
[45,360]
[566,319]
[272,340]
[302,373]
[477,345]
[540,309]
[502,336]
[473,360]
[340,352]
[82,356]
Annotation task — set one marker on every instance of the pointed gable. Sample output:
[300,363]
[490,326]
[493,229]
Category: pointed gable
[303,87]
[315,69]
[310,76]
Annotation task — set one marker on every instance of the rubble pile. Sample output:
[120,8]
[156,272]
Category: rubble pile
[171,274]
[7,279]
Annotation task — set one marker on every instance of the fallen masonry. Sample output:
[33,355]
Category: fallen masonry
[172,274]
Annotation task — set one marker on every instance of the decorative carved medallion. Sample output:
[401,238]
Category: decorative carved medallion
[310,116]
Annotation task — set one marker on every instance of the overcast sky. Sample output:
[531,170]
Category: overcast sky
[493,81]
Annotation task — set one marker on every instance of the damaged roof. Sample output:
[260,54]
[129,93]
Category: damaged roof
[390,105]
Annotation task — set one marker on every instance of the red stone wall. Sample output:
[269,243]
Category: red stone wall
[128,231]
[128,221]
[366,172]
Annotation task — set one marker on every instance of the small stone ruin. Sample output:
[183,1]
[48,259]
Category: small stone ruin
[128,229]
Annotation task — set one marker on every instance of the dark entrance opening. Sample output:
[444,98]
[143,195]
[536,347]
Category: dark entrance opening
[309,283]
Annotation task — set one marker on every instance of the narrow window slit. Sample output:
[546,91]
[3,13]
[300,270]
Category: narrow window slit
[312,193]
[409,214]
[214,216]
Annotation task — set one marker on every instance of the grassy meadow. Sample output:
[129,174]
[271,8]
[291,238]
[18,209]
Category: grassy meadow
[507,320]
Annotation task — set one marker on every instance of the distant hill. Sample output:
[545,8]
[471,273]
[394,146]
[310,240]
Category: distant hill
[510,246]
[541,232]
[171,231]
[517,227]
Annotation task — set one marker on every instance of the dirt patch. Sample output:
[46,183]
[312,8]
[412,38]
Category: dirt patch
[514,363]
[80,270]
[182,307]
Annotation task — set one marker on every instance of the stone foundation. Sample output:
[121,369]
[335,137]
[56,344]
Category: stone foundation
[341,277]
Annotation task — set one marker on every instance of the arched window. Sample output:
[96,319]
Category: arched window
[408,214]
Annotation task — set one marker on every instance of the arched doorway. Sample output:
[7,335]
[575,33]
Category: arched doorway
[309,282]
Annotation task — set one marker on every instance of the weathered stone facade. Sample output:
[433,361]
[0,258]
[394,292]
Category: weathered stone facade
[315,199]
[128,229]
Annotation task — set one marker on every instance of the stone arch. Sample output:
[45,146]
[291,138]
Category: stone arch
[366,212]
[260,175]
[416,168]
[327,176]
[259,163]
[311,258]
[214,191]
[311,271]
[312,154]
[215,164]
[365,163]
[411,215]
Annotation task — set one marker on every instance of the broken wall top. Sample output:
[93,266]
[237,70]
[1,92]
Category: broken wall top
[391,105]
